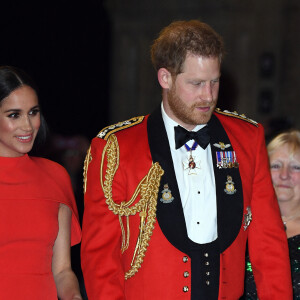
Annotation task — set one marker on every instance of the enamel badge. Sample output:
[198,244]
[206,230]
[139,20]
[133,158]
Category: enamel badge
[229,186]
[166,195]
[247,218]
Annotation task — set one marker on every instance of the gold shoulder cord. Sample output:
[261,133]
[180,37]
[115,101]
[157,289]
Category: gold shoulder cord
[88,159]
[146,206]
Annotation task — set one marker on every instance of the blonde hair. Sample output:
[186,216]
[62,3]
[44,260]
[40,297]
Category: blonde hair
[290,138]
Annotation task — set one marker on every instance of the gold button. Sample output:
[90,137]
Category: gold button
[207,282]
[185,289]
[186,274]
[207,273]
[207,263]
[206,254]
[185,259]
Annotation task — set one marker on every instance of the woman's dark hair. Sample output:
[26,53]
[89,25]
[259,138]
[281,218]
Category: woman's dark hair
[12,78]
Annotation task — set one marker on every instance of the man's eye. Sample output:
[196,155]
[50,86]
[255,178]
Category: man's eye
[198,83]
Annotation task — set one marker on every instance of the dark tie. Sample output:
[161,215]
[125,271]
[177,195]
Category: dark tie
[182,136]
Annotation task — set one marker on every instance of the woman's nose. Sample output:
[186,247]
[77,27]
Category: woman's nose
[284,173]
[26,124]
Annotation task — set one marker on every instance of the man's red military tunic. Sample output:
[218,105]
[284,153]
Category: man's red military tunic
[135,244]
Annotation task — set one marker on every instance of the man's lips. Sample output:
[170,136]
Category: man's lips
[203,109]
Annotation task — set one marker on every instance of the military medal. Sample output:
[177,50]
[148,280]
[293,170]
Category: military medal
[226,159]
[229,186]
[191,165]
[219,159]
[166,195]
[235,163]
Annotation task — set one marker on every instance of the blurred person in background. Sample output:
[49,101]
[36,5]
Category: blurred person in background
[284,155]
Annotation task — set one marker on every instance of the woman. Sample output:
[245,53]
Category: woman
[284,154]
[38,215]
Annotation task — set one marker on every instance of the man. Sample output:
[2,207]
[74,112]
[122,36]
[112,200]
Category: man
[168,208]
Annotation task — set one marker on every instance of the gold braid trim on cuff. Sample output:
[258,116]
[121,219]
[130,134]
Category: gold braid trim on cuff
[146,207]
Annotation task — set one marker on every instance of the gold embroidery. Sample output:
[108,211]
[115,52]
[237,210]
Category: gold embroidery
[236,115]
[88,159]
[146,206]
[107,131]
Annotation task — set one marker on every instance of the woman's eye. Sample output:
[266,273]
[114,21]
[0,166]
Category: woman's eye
[34,112]
[275,166]
[295,168]
[13,115]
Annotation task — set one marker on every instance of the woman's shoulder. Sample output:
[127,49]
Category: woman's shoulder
[49,166]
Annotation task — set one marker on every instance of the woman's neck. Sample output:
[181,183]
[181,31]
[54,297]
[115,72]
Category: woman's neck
[288,210]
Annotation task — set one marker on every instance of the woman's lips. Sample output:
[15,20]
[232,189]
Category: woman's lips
[24,138]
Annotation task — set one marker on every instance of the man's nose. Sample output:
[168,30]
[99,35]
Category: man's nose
[207,93]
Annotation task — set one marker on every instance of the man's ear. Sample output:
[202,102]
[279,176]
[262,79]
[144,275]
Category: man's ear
[164,78]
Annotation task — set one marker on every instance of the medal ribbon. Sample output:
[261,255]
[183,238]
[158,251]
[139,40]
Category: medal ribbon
[219,159]
[192,148]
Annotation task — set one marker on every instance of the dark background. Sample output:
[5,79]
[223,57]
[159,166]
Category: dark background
[64,46]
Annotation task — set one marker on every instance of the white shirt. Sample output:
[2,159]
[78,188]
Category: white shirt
[196,186]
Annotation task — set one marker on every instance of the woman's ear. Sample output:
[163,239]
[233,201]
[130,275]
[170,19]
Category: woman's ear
[164,78]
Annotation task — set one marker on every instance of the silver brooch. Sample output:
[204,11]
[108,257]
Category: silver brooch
[247,218]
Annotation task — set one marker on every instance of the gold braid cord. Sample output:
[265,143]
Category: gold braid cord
[146,206]
[88,159]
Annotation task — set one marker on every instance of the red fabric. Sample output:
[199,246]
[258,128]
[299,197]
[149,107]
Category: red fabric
[267,240]
[161,274]
[31,191]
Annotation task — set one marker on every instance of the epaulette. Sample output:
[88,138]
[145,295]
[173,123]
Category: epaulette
[107,131]
[236,115]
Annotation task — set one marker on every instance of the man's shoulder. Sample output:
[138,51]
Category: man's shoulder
[120,126]
[229,116]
